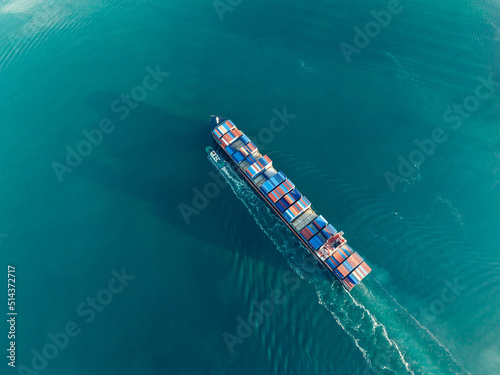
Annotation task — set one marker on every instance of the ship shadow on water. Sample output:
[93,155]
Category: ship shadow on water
[159,157]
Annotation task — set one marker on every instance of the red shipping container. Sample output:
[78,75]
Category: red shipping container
[344,271]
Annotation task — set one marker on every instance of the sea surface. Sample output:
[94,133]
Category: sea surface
[118,250]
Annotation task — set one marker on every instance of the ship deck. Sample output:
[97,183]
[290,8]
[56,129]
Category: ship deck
[301,221]
[336,256]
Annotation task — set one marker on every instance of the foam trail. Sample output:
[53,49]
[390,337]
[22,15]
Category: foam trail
[389,338]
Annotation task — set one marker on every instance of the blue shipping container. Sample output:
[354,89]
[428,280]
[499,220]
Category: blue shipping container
[274,181]
[282,205]
[329,231]
[238,157]
[320,222]
[295,194]
[317,241]
[330,263]
[230,150]
[251,159]
[245,139]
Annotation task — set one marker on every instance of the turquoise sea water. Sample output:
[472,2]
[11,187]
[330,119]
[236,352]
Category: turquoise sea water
[430,305]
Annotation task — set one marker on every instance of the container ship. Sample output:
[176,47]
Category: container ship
[318,236]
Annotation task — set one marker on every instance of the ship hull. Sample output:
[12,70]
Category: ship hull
[313,231]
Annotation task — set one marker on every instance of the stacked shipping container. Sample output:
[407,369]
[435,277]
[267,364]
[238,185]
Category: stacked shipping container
[280,191]
[281,194]
[258,167]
